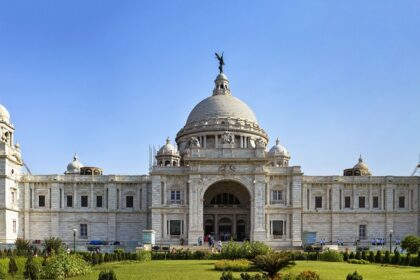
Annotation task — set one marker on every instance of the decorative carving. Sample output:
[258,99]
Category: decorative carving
[225,169]
[194,143]
[260,143]
[228,138]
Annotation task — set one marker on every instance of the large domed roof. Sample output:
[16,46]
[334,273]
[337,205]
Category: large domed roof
[4,114]
[221,106]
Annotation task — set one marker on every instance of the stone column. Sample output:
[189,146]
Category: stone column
[296,216]
[195,226]
[92,199]
[259,209]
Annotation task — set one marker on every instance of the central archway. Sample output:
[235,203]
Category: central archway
[226,211]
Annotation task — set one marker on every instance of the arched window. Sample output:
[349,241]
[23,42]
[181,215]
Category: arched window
[224,199]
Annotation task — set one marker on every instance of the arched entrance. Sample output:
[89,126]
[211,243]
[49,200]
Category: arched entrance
[226,209]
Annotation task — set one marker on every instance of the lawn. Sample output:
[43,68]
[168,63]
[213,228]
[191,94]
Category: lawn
[203,270]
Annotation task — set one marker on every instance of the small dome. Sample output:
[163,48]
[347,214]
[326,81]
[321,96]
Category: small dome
[167,149]
[74,166]
[361,164]
[278,150]
[4,114]
[222,76]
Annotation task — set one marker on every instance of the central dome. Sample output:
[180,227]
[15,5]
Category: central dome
[221,106]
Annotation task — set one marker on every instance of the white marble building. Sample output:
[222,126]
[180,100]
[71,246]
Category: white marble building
[219,178]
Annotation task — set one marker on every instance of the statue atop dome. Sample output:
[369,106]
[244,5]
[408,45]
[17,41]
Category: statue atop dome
[221,61]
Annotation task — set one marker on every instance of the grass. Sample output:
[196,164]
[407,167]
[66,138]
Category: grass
[204,270]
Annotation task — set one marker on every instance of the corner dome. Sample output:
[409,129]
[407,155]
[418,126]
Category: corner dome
[278,150]
[4,114]
[74,166]
[221,106]
[361,164]
[167,149]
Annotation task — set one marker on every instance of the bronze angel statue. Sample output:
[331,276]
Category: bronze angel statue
[221,61]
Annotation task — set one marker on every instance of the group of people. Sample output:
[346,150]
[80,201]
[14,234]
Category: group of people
[381,241]
[211,242]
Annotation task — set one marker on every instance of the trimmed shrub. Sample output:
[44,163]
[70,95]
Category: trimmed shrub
[13,269]
[356,261]
[364,256]
[387,258]
[31,269]
[354,276]
[397,257]
[371,257]
[345,256]
[232,265]
[352,256]
[407,260]
[331,256]
[378,257]
[107,275]
[23,247]
[144,256]
[358,255]
[308,275]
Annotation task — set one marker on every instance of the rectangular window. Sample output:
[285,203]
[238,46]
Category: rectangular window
[13,197]
[276,196]
[375,202]
[41,201]
[318,202]
[14,226]
[99,201]
[175,196]
[83,231]
[347,202]
[129,201]
[84,201]
[69,201]
[362,232]
[401,202]
[362,202]
[61,198]
[277,227]
[175,227]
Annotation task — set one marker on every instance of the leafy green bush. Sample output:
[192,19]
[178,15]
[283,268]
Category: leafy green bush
[273,262]
[144,256]
[352,256]
[227,275]
[107,275]
[354,276]
[308,275]
[411,243]
[13,268]
[331,256]
[248,250]
[63,265]
[356,261]
[232,265]
[345,256]
[358,255]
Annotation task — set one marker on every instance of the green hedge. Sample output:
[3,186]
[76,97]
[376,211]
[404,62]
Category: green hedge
[233,265]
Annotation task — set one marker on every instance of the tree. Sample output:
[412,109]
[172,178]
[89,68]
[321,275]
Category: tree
[22,246]
[272,263]
[53,244]
[13,268]
[411,243]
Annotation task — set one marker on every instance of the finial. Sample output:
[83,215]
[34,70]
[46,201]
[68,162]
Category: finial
[277,141]
[221,62]
[75,157]
[360,158]
[168,140]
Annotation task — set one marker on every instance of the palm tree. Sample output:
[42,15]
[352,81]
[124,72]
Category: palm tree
[273,262]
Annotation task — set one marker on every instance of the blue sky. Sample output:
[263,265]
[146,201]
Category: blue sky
[331,79]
